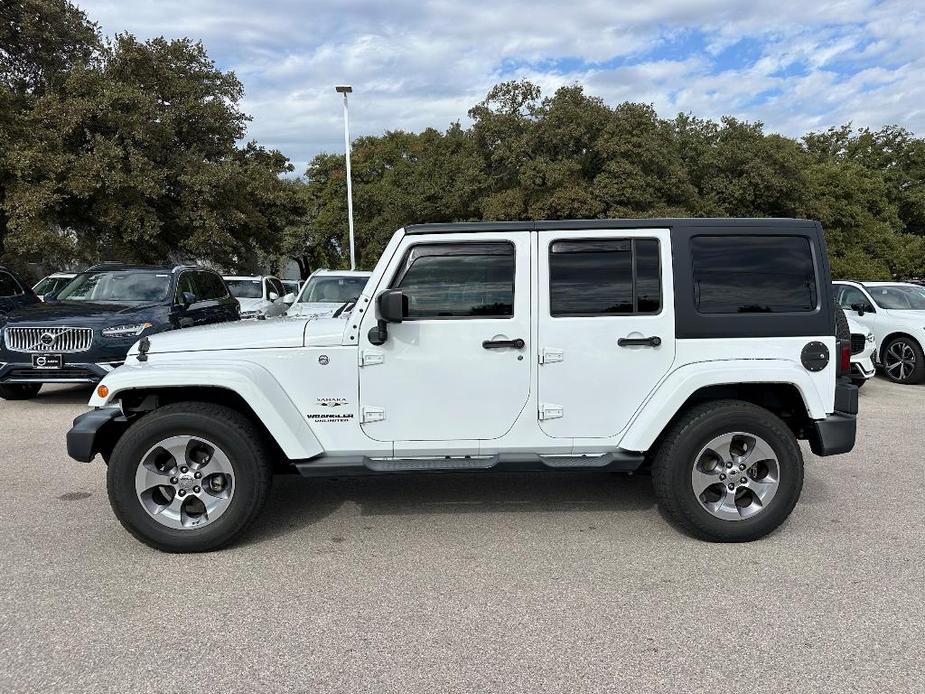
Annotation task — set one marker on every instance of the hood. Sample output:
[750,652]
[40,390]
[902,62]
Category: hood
[855,327]
[84,313]
[316,308]
[276,333]
[253,304]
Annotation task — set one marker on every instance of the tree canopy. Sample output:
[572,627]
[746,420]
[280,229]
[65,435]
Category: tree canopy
[116,148]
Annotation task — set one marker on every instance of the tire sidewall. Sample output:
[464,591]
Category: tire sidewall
[154,428]
[790,461]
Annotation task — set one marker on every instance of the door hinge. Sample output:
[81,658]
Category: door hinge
[371,414]
[550,411]
[369,357]
[551,356]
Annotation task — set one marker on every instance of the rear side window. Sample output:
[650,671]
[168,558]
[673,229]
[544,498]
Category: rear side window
[8,285]
[591,277]
[460,280]
[753,274]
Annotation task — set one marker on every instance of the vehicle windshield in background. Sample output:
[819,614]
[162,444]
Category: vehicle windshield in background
[50,285]
[332,290]
[245,289]
[898,298]
[126,286]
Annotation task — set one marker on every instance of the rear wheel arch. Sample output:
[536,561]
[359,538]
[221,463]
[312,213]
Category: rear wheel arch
[784,400]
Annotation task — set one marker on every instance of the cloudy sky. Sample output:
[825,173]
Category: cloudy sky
[796,65]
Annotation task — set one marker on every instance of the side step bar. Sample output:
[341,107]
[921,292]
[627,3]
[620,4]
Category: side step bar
[334,466]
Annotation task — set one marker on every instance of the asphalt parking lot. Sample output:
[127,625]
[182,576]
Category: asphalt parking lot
[555,583]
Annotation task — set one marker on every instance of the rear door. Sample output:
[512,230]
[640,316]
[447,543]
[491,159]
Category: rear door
[605,327]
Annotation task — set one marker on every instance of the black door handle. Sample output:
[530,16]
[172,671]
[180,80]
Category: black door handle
[501,344]
[653,341]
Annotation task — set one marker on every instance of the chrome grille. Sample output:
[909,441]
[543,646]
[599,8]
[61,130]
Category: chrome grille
[42,340]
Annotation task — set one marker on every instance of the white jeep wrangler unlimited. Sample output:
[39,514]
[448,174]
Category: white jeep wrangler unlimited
[699,349]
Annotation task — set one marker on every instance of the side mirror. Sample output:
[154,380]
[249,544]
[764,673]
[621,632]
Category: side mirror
[188,299]
[861,309]
[393,307]
[273,296]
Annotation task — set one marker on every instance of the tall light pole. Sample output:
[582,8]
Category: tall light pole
[345,89]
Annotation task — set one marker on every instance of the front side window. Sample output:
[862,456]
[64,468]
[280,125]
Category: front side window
[591,277]
[123,286]
[210,286]
[459,280]
[8,285]
[753,274]
[898,297]
[851,297]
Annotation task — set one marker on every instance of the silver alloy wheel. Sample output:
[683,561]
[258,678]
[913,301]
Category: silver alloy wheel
[899,360]
[185,482]
[735,476]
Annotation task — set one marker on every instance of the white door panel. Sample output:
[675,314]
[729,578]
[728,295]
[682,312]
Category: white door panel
[436,381]
[590,386]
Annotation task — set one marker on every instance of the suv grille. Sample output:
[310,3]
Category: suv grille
[858,342]
[42,340]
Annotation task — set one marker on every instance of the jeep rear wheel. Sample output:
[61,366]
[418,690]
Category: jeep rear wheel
[728,471]
[19,391]
[189,477]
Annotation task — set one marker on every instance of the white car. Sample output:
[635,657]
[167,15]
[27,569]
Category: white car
[260,296]
[48,286]
[325,291]
[863,353]
[607,345]
[895,314]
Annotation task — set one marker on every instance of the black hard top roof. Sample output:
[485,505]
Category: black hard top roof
[579,224]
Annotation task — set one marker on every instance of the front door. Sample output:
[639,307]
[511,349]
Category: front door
[606,327]
[457,367]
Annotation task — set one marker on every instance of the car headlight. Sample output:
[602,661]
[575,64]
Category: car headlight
[126,330]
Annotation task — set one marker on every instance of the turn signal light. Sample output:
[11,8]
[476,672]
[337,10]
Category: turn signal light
[102,391]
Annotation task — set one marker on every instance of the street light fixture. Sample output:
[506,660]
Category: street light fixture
[346,89]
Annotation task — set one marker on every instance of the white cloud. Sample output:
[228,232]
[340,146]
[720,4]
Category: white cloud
[418,64]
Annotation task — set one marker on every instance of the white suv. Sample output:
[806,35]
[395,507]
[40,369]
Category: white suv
[863,353]
[895,313]
[325,291]
[701,350]
[260,296]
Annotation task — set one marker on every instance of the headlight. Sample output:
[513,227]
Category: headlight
[126,330]
[250,314]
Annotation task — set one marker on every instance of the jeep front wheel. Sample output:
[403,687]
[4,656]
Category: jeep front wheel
[728,471]
[189,477]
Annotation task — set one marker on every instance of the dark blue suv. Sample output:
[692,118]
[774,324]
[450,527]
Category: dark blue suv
[88,328]
[13,293]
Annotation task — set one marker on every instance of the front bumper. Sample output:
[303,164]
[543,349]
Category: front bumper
[92,433]
[70,372]
[836,433]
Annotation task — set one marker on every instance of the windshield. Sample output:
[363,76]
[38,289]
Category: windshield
[332,290]
[898,297]
[124,286]
[50,285]
[245,289]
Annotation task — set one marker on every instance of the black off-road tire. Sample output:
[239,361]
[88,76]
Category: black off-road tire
[228,429]
[676,456]
[19,391]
